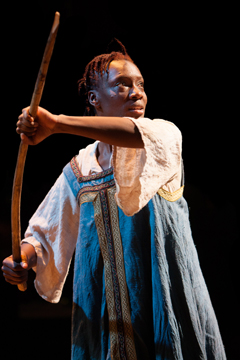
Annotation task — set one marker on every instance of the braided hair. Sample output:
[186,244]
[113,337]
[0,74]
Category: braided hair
[95,70]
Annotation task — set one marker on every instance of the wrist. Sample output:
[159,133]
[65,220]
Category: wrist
[59,124]
[55,128]
[30,253]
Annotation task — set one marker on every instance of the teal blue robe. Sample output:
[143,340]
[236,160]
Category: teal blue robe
[138,289]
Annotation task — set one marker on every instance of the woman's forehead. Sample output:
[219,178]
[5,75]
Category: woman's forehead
[123,68]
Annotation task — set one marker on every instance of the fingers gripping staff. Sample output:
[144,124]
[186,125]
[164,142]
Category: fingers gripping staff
[18,177]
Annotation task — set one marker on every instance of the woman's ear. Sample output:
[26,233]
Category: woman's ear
[93,98]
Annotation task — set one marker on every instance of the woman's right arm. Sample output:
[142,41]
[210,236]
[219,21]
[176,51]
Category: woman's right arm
[49,242]
[15,273]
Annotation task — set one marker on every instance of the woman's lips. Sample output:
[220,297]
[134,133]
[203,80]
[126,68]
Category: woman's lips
[137,109]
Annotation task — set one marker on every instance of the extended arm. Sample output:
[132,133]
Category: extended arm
[117,131]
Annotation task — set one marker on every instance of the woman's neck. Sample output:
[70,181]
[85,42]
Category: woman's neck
[103,154]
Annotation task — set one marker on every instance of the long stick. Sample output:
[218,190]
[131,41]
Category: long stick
[18,177]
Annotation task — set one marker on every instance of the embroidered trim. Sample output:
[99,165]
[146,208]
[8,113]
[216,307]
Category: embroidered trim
[106,219]
[92,189]
[113,330]
[81,178]
[128,330]
[75,168]
[174,196]
[87,197]
[108,247]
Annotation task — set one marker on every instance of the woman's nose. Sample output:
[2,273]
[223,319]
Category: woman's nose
[135,93]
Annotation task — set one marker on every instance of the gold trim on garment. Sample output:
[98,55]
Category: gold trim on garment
[105,232]
[108,278]
[174,196]
[126,313]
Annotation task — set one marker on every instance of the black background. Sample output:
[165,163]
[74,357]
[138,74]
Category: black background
[187,55]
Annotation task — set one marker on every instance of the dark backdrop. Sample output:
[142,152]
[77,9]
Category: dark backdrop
[187,56]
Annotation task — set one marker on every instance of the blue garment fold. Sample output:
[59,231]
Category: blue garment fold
[138,289]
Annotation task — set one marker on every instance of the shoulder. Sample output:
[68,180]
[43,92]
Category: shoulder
[155,122]
[168,125]
[86,160]
[158,128]
[89,150]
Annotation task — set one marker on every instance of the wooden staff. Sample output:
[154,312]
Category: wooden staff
[18,177]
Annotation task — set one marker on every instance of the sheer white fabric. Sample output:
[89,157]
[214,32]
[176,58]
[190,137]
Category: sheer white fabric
[139,173]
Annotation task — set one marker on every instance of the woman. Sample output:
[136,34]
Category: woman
[138,290]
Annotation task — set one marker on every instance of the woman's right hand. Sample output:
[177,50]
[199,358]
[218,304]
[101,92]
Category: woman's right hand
[15,273]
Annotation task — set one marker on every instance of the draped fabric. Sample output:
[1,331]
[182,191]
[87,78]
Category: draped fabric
[138,288]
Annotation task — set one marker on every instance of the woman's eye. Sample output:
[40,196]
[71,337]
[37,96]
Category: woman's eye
[121,83]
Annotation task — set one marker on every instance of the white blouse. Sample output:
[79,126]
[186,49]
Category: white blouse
[139,173]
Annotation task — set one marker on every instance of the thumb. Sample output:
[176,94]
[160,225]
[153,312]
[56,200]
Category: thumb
[24,262]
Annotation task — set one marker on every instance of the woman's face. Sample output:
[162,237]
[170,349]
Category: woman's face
[120,92]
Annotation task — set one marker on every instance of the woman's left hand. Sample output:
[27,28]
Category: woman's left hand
[33,131]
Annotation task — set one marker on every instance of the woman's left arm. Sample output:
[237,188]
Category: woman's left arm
[118,131]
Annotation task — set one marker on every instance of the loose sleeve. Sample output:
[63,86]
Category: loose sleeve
[139,173]
[53,231]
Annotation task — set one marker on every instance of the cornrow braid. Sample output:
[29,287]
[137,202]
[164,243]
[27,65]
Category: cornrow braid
[95,70]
